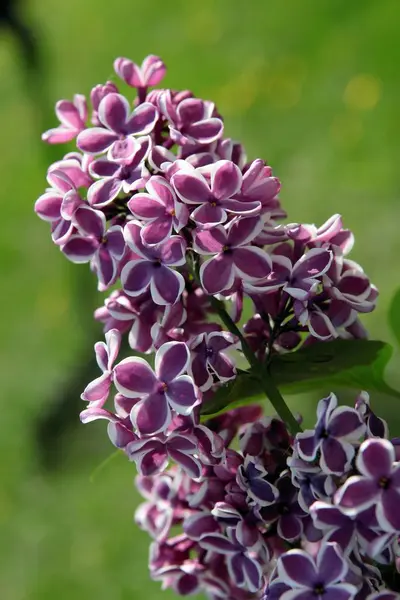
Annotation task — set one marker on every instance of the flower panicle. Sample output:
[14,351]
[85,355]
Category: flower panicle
[183,231]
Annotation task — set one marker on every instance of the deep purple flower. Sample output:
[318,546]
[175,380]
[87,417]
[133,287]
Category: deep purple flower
[209,358]
[104,247]
[310,579]
[116,177]
[347,531]
[376,427]
[161,390]
[214,199]
[152,455]
[150,73]
[285,510]
[336,433]
[233,255]
[243,567]
[72,116]
[251,478]
[153,268]
[160,210]
[300,280]
[120,127]
[97,391]
[59,203]
[192,120]
[378,484]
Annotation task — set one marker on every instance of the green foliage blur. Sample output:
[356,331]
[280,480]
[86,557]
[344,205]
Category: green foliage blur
[314,88]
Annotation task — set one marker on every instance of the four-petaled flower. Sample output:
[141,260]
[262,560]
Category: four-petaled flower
[72,117]
[233,255]
[97,391]
[120,127]
[152,269]
[161,391]
[150,73]
[337,430]
[105,247]
[160,210]
[214,197]
[377,485]
[209,358]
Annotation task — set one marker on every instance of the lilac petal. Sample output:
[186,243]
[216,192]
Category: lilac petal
[171,360]
[115,242]
[290,527]
[132,237]
[113,339]
[241,208]
[210,241]
[142,120]
[95,140]
[157,231]
[331,565]
[151,415]
[252,263]
[387,510]
[191,187]
[207,131]
[48,206]
[105,267]
[133,377]
[123,150]
[172,252]
[375,458]
[191,110]
[136,276]
[59,135]
[345,537]
[103,192]
[79,249]
[208,215]
[103,168]
[113,112]
[242,231]
[223,366]
[346,422]
[159,188]
[336,456]
[98,390]
[61,231]
[70,203]
[356,494]
[297,594]
[188,445]
[68,115]
[313,264]
[307,444]
[297,568]
[93,414]
[182,395]
[263,492]
[153,69]
[197,525]
[152,463]
[200,373]
[221,340]
[216,542]
[217,274]
[146,207]
[90,222]
[226,179]
[166,286]
[191,465]
[341,591]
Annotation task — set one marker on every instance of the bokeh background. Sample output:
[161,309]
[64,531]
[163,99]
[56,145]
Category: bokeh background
[313,87]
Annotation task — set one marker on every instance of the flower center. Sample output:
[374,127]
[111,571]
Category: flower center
[384,483]
[226,249]
[172,213]
[319,589]
[163,387]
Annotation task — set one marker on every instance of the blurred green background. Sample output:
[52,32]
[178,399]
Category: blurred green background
[313,87]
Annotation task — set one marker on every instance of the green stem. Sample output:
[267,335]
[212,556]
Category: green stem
[261,371]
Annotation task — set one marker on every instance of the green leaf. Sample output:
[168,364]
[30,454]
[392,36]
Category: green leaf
[354,364]
[394,316]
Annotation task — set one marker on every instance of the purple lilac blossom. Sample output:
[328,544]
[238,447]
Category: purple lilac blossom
[173,215]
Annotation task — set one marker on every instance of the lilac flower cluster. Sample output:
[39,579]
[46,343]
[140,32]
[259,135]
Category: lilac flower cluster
[184,233]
